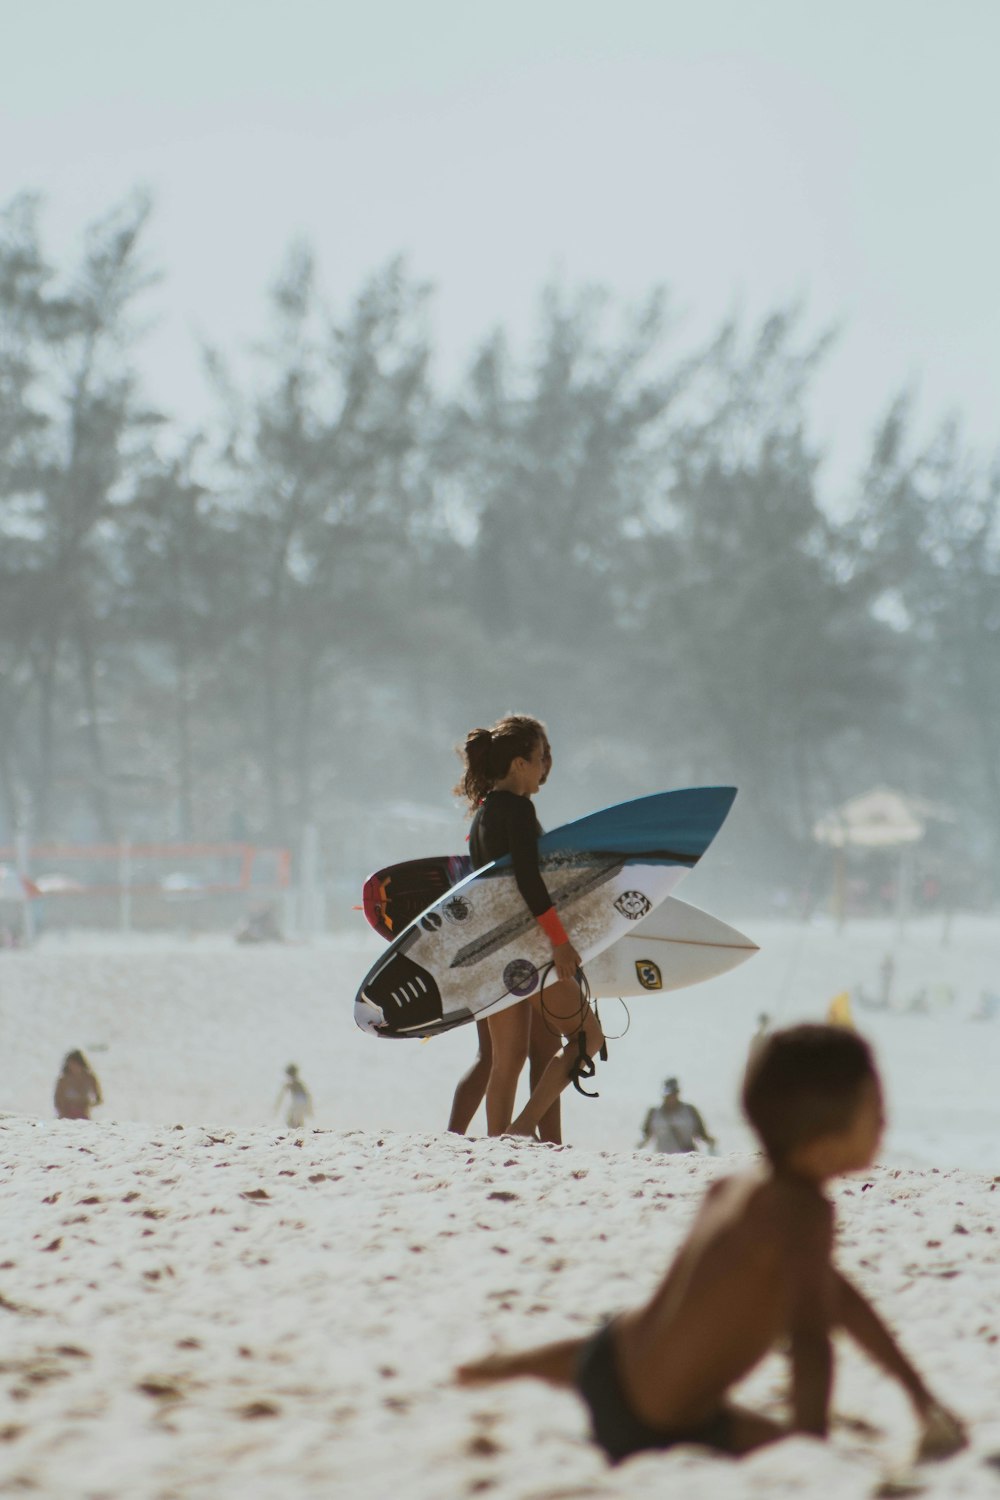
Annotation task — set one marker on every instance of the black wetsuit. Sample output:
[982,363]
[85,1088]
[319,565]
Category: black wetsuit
[505,823]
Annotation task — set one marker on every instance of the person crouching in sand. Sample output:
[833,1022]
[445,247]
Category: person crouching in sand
[755,1268]
[77,1089]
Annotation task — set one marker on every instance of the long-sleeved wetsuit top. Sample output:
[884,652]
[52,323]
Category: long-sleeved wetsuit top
[505,823]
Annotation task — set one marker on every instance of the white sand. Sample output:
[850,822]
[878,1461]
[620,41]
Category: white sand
[168,1331]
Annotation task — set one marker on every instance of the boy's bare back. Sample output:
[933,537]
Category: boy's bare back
[757,1253]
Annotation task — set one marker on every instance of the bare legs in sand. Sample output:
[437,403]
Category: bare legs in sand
[557,1365]
[543,1043]
[510,1030]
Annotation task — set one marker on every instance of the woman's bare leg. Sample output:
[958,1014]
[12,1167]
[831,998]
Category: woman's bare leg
[557,1074]
[555,1363]
[472,1086]
[509,1037]
[543,1044]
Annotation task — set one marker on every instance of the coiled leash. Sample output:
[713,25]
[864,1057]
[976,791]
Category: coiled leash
[583,1065]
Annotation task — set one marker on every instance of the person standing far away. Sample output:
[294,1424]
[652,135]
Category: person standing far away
[760,1036]
[300,1105]
[675,1125]
[77,1088]
[504,768]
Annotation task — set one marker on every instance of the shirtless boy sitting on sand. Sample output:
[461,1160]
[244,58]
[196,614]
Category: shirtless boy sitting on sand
[755,1269]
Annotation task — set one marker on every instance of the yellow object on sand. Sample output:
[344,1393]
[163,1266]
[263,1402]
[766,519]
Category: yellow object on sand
[838,1012]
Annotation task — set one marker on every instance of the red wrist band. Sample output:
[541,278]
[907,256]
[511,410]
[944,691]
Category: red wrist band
[552,927]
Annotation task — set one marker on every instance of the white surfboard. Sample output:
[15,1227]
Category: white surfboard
[676,946]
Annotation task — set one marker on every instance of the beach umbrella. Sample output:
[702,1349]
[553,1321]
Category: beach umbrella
[879,819]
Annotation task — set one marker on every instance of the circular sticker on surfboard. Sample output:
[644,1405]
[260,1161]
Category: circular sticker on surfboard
[520,976]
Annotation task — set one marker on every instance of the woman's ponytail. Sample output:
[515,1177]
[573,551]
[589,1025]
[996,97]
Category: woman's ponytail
[476,753]
[487,754]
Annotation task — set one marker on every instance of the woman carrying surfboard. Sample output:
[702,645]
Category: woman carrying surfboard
[504,768]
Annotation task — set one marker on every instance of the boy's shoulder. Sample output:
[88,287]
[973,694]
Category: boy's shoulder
[777,1206]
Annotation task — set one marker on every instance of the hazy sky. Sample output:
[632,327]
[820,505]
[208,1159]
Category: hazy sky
[740,151]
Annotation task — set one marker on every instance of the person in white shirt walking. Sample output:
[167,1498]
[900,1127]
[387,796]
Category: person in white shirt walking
[675,1125]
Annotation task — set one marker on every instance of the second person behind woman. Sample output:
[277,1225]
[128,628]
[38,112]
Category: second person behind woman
[504,768]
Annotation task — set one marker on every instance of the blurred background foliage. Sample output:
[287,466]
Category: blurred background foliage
[291,615]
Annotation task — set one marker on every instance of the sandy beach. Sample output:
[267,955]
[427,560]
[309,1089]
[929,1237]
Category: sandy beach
[197,1301]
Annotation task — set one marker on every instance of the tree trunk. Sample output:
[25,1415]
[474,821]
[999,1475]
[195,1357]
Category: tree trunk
[42,779]
[99,793]
[304,740]
[182,724]
[271,746]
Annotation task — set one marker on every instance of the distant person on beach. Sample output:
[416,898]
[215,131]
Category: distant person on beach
[260,926]
[755,1270]
[300,1105]
[760,1036]
[504,768]
[675,1125]
[77,1088]
[988,1008]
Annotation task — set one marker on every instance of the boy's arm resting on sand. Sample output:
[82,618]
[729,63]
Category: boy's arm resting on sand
[813,1314]
[943,1433]
[858,1318]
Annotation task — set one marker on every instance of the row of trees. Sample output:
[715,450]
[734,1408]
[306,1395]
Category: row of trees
[292,613]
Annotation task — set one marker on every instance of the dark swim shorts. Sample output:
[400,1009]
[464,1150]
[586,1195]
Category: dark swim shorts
[614,1424]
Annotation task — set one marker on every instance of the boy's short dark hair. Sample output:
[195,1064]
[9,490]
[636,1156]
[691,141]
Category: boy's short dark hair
[804,1082]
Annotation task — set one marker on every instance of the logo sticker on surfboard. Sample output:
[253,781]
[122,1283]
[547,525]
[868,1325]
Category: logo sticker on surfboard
[459,909]
[520,976]
[648,974]
[633,904]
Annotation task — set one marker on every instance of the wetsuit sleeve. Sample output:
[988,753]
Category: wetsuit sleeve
[477,853]
[522,831]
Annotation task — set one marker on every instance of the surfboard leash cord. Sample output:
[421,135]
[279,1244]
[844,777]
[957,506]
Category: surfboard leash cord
[583,1065]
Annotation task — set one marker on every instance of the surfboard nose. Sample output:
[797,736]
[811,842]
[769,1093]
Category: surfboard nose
[406,994]
[367,1015]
